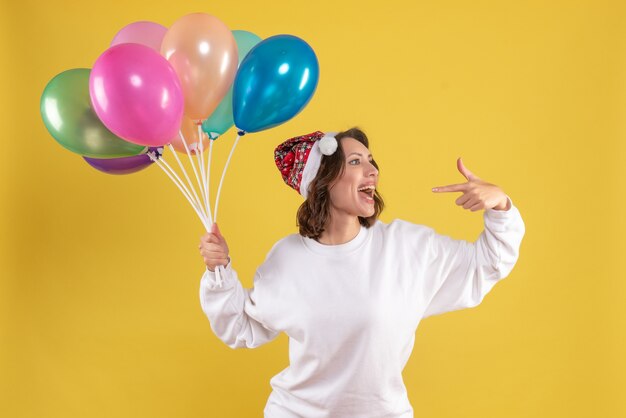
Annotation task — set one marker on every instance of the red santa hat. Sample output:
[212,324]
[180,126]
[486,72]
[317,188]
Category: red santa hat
[298,159]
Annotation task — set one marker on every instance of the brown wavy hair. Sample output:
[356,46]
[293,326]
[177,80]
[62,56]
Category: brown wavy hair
[314,213]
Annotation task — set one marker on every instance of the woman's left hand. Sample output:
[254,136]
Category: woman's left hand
[477,194]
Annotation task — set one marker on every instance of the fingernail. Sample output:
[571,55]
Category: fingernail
[435,189]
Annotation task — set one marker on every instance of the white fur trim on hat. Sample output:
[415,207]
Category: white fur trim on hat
[310,168]
[327,145]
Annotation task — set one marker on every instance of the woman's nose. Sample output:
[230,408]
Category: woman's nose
[372,170]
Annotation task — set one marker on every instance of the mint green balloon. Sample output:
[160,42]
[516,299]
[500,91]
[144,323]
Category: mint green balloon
[221,119]
[67,113]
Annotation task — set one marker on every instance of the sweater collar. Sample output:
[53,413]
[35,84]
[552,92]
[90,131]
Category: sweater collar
[340,249]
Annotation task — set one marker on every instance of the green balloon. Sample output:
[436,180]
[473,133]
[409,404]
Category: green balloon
[67,113]
[221,119]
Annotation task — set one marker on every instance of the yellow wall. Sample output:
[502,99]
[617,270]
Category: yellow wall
[99,305]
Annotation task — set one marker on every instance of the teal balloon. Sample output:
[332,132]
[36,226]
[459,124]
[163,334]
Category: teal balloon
[67,113]
[274,82]
[222,119]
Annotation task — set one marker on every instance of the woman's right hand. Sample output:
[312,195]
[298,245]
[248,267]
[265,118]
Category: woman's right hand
[213,248]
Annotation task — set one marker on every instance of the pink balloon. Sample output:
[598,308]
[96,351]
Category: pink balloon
[136,94]
[145,33]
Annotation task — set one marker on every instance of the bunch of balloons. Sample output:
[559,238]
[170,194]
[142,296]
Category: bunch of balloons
[181,88]
[178,88]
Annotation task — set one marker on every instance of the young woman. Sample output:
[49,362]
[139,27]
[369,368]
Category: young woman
[349,290]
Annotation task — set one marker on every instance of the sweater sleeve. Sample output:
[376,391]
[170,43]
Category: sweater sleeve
[232,310]
[459,273]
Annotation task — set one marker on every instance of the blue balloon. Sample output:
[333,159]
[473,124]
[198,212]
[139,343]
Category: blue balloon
[274,82]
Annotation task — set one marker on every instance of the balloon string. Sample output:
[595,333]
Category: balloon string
[196,203]
[184,192]
[219,189]
[203,174]
[192,166]
[208,177]
[220,269]
[189,183]
[199,150]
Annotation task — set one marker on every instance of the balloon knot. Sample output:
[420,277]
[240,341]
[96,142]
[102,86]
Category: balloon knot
[241,132]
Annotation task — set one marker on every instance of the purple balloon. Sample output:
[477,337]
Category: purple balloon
[123,165]
[145,33]
[137,95]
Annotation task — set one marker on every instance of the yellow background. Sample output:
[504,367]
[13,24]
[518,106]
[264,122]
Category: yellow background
[99,307]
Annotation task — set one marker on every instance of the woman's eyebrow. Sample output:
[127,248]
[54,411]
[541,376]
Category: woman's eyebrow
[359,154]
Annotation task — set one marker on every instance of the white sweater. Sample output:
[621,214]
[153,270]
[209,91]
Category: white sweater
[351,310]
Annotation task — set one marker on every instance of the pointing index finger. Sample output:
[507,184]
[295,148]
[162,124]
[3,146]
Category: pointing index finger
[451,188]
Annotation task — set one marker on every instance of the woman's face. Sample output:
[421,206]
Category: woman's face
[353,192]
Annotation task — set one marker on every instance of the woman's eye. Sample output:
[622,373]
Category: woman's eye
[355,162]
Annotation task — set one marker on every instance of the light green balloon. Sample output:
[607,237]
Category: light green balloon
[67,113]
[222,119]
